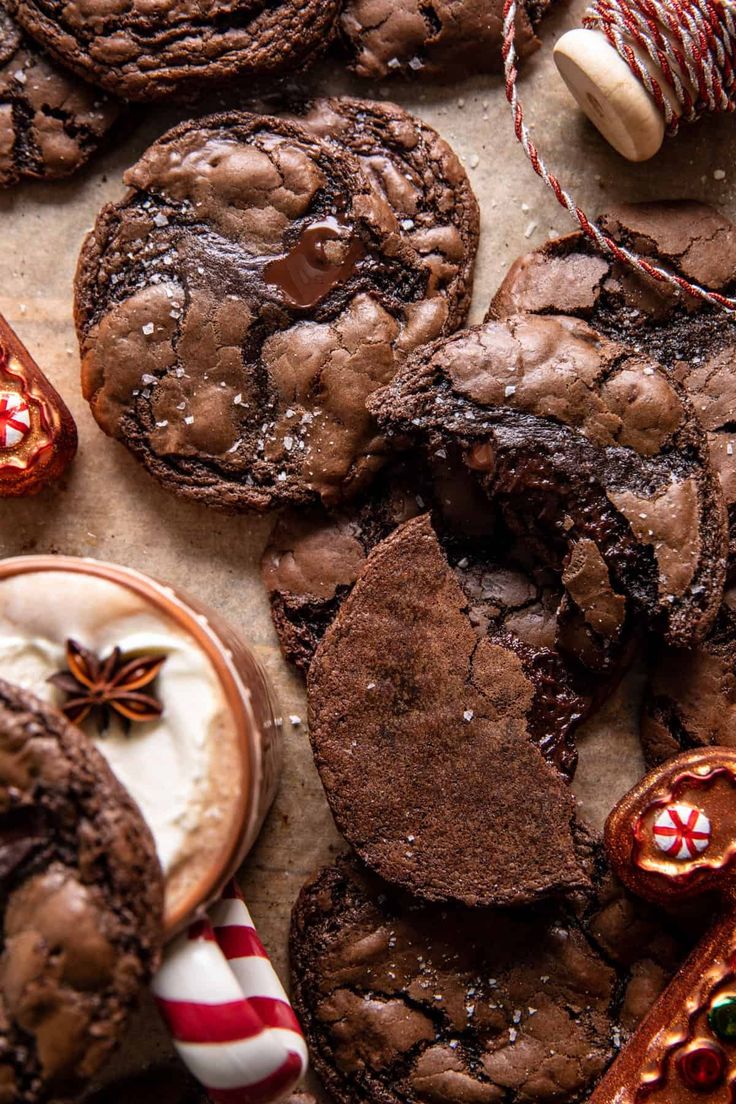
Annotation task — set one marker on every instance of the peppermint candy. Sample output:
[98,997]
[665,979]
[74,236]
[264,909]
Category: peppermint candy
[15,419]
[230,1019]
[681,831]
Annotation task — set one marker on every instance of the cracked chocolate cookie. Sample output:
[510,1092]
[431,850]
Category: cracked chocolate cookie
[235,310]
[50,122]
[314,557]
[690,700]
[404,1003]
[138,50]
[422,179]
[82,895]
[593,454]
[441,39]
[418,721]
[696,342]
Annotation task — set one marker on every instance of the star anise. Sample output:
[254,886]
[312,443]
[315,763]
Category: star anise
[99,686]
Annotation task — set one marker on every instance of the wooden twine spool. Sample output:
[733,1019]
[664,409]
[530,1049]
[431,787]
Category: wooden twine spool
[638,68]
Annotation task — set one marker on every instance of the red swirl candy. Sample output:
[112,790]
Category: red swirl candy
[38,437]
[673,837]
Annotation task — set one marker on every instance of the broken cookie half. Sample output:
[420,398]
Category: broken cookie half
[419,720]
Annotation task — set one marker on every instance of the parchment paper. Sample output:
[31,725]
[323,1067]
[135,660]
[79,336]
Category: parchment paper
[109,508]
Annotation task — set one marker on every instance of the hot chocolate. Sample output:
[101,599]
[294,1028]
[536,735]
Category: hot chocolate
[187,768]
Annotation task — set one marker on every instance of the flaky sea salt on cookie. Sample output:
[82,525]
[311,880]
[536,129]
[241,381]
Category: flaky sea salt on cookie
[404,1003]
[696,342]
[237,308]
[593,453]
[140,51]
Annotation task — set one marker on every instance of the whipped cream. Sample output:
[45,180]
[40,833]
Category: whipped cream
[179,768]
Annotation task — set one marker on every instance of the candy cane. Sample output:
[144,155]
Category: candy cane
[227,1011]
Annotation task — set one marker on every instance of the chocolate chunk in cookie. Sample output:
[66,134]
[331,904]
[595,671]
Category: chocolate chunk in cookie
[691,695]
[418,721]
[420,177]
[138,50]
[445,39]
[50,122]
[594,455]
[409,1004]
[82,897]
[696,342]
[237,308]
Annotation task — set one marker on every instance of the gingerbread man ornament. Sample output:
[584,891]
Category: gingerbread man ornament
[38,437]
[671,838]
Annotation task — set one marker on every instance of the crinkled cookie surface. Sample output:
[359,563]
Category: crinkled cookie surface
[50,121]
[138,50]
[444,39]
[593,453]
[696,342]
[238,307]
[411,1004]
[82,896]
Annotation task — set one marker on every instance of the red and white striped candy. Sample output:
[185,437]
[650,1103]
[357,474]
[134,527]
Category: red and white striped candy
[681,831]
[227,1011]
[15,419]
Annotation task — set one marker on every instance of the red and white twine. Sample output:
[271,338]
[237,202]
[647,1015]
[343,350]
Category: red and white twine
[692,43]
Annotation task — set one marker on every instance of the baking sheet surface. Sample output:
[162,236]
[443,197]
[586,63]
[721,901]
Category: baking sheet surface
[107,507]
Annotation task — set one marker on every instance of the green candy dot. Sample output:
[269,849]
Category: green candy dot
[722,1018]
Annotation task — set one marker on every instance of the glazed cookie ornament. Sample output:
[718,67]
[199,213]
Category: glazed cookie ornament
[38,437]
[673,838]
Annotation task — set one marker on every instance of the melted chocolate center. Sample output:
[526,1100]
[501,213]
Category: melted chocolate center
[310,271]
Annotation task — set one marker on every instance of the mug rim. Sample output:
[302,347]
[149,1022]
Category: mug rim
[185,613]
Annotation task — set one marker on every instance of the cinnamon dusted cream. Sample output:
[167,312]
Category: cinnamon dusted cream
[186,769]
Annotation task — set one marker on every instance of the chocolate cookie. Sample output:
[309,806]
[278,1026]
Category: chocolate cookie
[50,122]
[446,39]
[237,307]
[409,1004]
[691,695]
[82,903]
[594,456]
[139,51]
[314,557]
[418,721]
[696,342]
[422,179]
